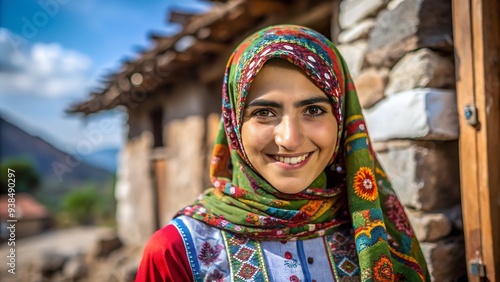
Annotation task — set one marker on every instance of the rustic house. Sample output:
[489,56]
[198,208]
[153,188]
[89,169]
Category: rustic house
[427,74]
[32,216]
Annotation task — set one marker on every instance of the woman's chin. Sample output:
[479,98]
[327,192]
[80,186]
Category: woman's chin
[290,188]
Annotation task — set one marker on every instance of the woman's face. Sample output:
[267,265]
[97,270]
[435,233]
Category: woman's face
[289,131]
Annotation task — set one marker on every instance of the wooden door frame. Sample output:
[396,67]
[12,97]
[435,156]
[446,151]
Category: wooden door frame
[477,51]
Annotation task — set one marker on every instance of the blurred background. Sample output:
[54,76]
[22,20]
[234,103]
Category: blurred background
[53,54]
[109,110]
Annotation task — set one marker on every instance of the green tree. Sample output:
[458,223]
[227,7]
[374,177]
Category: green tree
[27,179]
[83,204]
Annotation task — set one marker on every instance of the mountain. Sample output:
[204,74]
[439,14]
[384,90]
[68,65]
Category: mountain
[59,170]
[106,158]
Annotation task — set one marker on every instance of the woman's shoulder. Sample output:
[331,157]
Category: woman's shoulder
[164,257]
[173,235]
[164,238]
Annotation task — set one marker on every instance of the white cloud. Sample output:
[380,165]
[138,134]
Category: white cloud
[46,70]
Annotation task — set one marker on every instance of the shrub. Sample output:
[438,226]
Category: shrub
[82,205]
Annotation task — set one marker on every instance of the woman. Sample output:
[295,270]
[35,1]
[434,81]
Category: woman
[298,192]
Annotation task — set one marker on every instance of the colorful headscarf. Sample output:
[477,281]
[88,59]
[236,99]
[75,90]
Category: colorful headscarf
[353,189]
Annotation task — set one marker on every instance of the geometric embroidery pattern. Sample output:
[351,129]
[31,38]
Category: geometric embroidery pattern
[244,254]
[343,255]
[246,271]
[348,267]
[339,238]
[246,258]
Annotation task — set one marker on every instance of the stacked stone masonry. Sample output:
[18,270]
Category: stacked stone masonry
[400,54]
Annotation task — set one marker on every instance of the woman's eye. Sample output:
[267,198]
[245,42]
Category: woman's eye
[314,111]
[262,113]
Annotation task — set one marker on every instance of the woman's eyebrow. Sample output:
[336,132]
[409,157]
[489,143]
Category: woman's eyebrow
[313,100]
[302,103]
[264,103]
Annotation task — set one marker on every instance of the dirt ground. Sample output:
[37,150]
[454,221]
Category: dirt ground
[68,242]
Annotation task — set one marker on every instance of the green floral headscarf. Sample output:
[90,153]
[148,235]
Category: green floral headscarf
[352,190]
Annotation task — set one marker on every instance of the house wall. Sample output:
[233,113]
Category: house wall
[186,134]
[134,196]
[400,54]
[155,183]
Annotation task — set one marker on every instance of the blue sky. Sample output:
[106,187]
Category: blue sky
[53,53]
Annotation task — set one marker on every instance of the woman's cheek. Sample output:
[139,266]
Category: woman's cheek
[324,134]
[257,136]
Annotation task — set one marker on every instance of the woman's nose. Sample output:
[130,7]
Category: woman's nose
[289,134]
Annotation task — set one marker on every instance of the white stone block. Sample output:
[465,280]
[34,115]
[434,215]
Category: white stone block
[425,114]
[353,11]
[393,4]
[421,69]
[410,25]
[430,227]
[359,31]
[370,85]
[354,55]
[446,259]
[424,174]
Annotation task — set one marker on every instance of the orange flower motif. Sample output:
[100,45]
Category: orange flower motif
[311,207]
[382,270]
[365,185]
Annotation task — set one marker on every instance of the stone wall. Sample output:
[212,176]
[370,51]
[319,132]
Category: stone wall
[142,202]
[184,164]
[186,133]
[400,54]
[134,196]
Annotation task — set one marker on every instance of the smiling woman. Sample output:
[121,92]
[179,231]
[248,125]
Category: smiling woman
[298,193]
[289,131]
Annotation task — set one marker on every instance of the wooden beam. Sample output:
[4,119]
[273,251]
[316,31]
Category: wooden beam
[212,72]
[314,14]
[259,8]
[161,191]
[462,28]
[155,36]
[202,46]
[477,51]
[179,17]
[218,12]
[486,46]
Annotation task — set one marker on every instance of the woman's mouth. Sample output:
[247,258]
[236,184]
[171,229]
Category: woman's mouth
[291,160]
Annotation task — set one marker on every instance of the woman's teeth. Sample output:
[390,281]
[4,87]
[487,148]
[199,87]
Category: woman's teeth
[292,160]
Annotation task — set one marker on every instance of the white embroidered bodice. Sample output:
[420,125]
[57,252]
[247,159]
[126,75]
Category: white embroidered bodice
[216,255]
